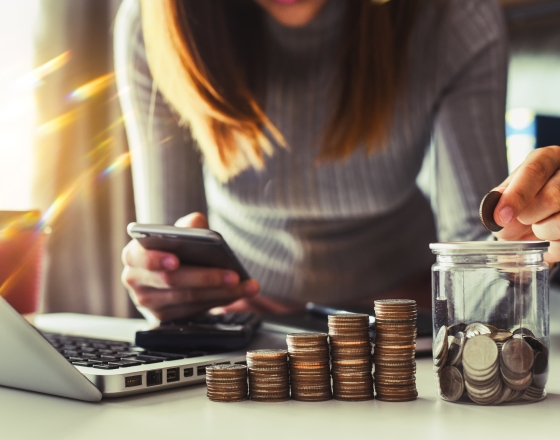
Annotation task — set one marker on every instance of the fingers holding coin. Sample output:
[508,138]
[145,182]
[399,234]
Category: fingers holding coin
[528,191]
[526,206]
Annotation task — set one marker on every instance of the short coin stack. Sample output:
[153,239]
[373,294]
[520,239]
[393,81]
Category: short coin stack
[310,377]
[268,375]
[395,345]
[226,383]
[351,357]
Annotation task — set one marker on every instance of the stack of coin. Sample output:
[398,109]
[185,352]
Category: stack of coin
[481,370]
[309,359]
[351,357]
[395,345]
[516,364]
[268,375]
[226,383]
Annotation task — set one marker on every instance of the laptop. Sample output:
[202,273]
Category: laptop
[45,363]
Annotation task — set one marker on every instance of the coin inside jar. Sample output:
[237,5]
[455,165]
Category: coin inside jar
[480,353]
[456,347]
[451,383]
[440,342]
[517,356]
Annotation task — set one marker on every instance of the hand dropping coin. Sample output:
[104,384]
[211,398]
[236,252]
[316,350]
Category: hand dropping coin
[486,211]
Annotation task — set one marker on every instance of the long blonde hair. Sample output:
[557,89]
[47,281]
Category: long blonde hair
[204,55]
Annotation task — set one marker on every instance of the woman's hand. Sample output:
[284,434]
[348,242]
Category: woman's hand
[529,208]
[157,282]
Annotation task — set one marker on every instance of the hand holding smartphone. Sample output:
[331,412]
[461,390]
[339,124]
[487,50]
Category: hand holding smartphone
[193,246]
[179,272]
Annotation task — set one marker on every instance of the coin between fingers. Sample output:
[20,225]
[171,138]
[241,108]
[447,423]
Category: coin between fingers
[486,211]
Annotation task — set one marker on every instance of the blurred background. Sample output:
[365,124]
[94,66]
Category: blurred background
[63,148]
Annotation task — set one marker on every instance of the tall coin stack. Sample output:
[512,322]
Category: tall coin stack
[351,357]
[226,383]
[268,375]
[395,344]
[310,376]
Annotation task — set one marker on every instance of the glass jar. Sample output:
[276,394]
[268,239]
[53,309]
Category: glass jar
[491,321]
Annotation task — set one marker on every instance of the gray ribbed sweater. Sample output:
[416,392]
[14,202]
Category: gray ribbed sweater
[343,231]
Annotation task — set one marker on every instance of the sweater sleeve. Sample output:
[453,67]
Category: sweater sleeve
[469,128]
[166,166]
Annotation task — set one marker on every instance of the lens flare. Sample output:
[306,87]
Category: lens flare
[65,198]
[57,123]
[101,148]
[119,164]
[26,220]
[82,183]
[34,78]
[92,88]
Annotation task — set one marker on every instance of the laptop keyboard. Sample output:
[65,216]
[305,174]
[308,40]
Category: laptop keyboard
[109,355]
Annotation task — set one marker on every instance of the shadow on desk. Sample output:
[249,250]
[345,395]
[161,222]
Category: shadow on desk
[552,398]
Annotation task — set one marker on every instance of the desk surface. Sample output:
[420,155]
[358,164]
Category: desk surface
[187,413]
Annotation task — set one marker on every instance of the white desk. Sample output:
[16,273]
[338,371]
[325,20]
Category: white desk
[186,413]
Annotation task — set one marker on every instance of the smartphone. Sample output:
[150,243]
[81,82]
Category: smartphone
[193,246]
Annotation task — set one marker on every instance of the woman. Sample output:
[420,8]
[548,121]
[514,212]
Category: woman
[312,119]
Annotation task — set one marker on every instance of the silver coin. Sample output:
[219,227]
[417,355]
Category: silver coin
[500,336]
[476,329]
[517,356]
[534,394]
[456,328]
[486,211]
[483,392]
[456,349]
[518,330]
[479,380]
[440,342]
[518,384]
[442,361]
[506,394]
[480,353]
[451,383]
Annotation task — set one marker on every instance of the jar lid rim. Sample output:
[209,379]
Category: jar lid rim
[490,245]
